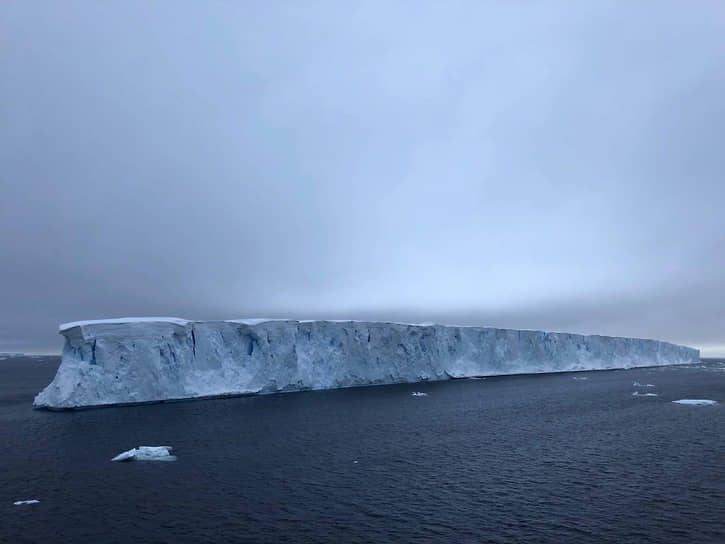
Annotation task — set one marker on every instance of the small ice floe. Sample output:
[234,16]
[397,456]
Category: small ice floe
[637,384]
[418,394]
[481,377]
[31,501]
[146,453]
[638,394]
[696,402]
[580,378]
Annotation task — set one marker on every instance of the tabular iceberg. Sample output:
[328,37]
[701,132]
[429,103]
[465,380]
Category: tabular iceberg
[137,360]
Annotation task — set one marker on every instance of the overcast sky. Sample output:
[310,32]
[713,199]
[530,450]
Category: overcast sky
[547,165]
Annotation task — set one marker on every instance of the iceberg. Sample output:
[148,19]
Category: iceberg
[142,360]
[31,501]
[696,402]
[146,453]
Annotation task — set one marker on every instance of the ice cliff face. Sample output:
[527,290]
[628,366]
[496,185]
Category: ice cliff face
[146,360]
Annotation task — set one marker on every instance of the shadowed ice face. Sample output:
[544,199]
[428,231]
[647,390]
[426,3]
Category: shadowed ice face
[550,165]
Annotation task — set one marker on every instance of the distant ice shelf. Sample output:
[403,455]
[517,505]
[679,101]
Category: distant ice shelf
[142,360]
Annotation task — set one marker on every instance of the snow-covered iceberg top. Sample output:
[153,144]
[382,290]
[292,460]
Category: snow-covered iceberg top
[175,320]
[122,320]
[138,360]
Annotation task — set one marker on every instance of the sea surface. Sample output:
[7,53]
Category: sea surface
[534,458]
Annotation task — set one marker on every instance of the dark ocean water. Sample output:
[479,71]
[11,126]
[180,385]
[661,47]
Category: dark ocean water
[542,458]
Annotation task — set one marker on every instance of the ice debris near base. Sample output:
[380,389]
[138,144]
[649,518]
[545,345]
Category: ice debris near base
[696,402]
[418,394]
[146,453]
[638,394]
[637,384]
[136,360]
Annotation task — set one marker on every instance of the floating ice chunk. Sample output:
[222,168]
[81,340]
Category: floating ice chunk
[146,453]
[419,394]
[31,501]
[637,384]
[580,378]
[477,378]
[638,394]
[696,402]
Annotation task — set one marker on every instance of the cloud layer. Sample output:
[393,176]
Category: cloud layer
[532,165]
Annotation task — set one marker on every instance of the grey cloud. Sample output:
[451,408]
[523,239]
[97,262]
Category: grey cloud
[540,165]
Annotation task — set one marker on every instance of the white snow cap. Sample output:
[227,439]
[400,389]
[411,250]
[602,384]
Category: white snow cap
[254,320]
[182,321]
[117,320]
